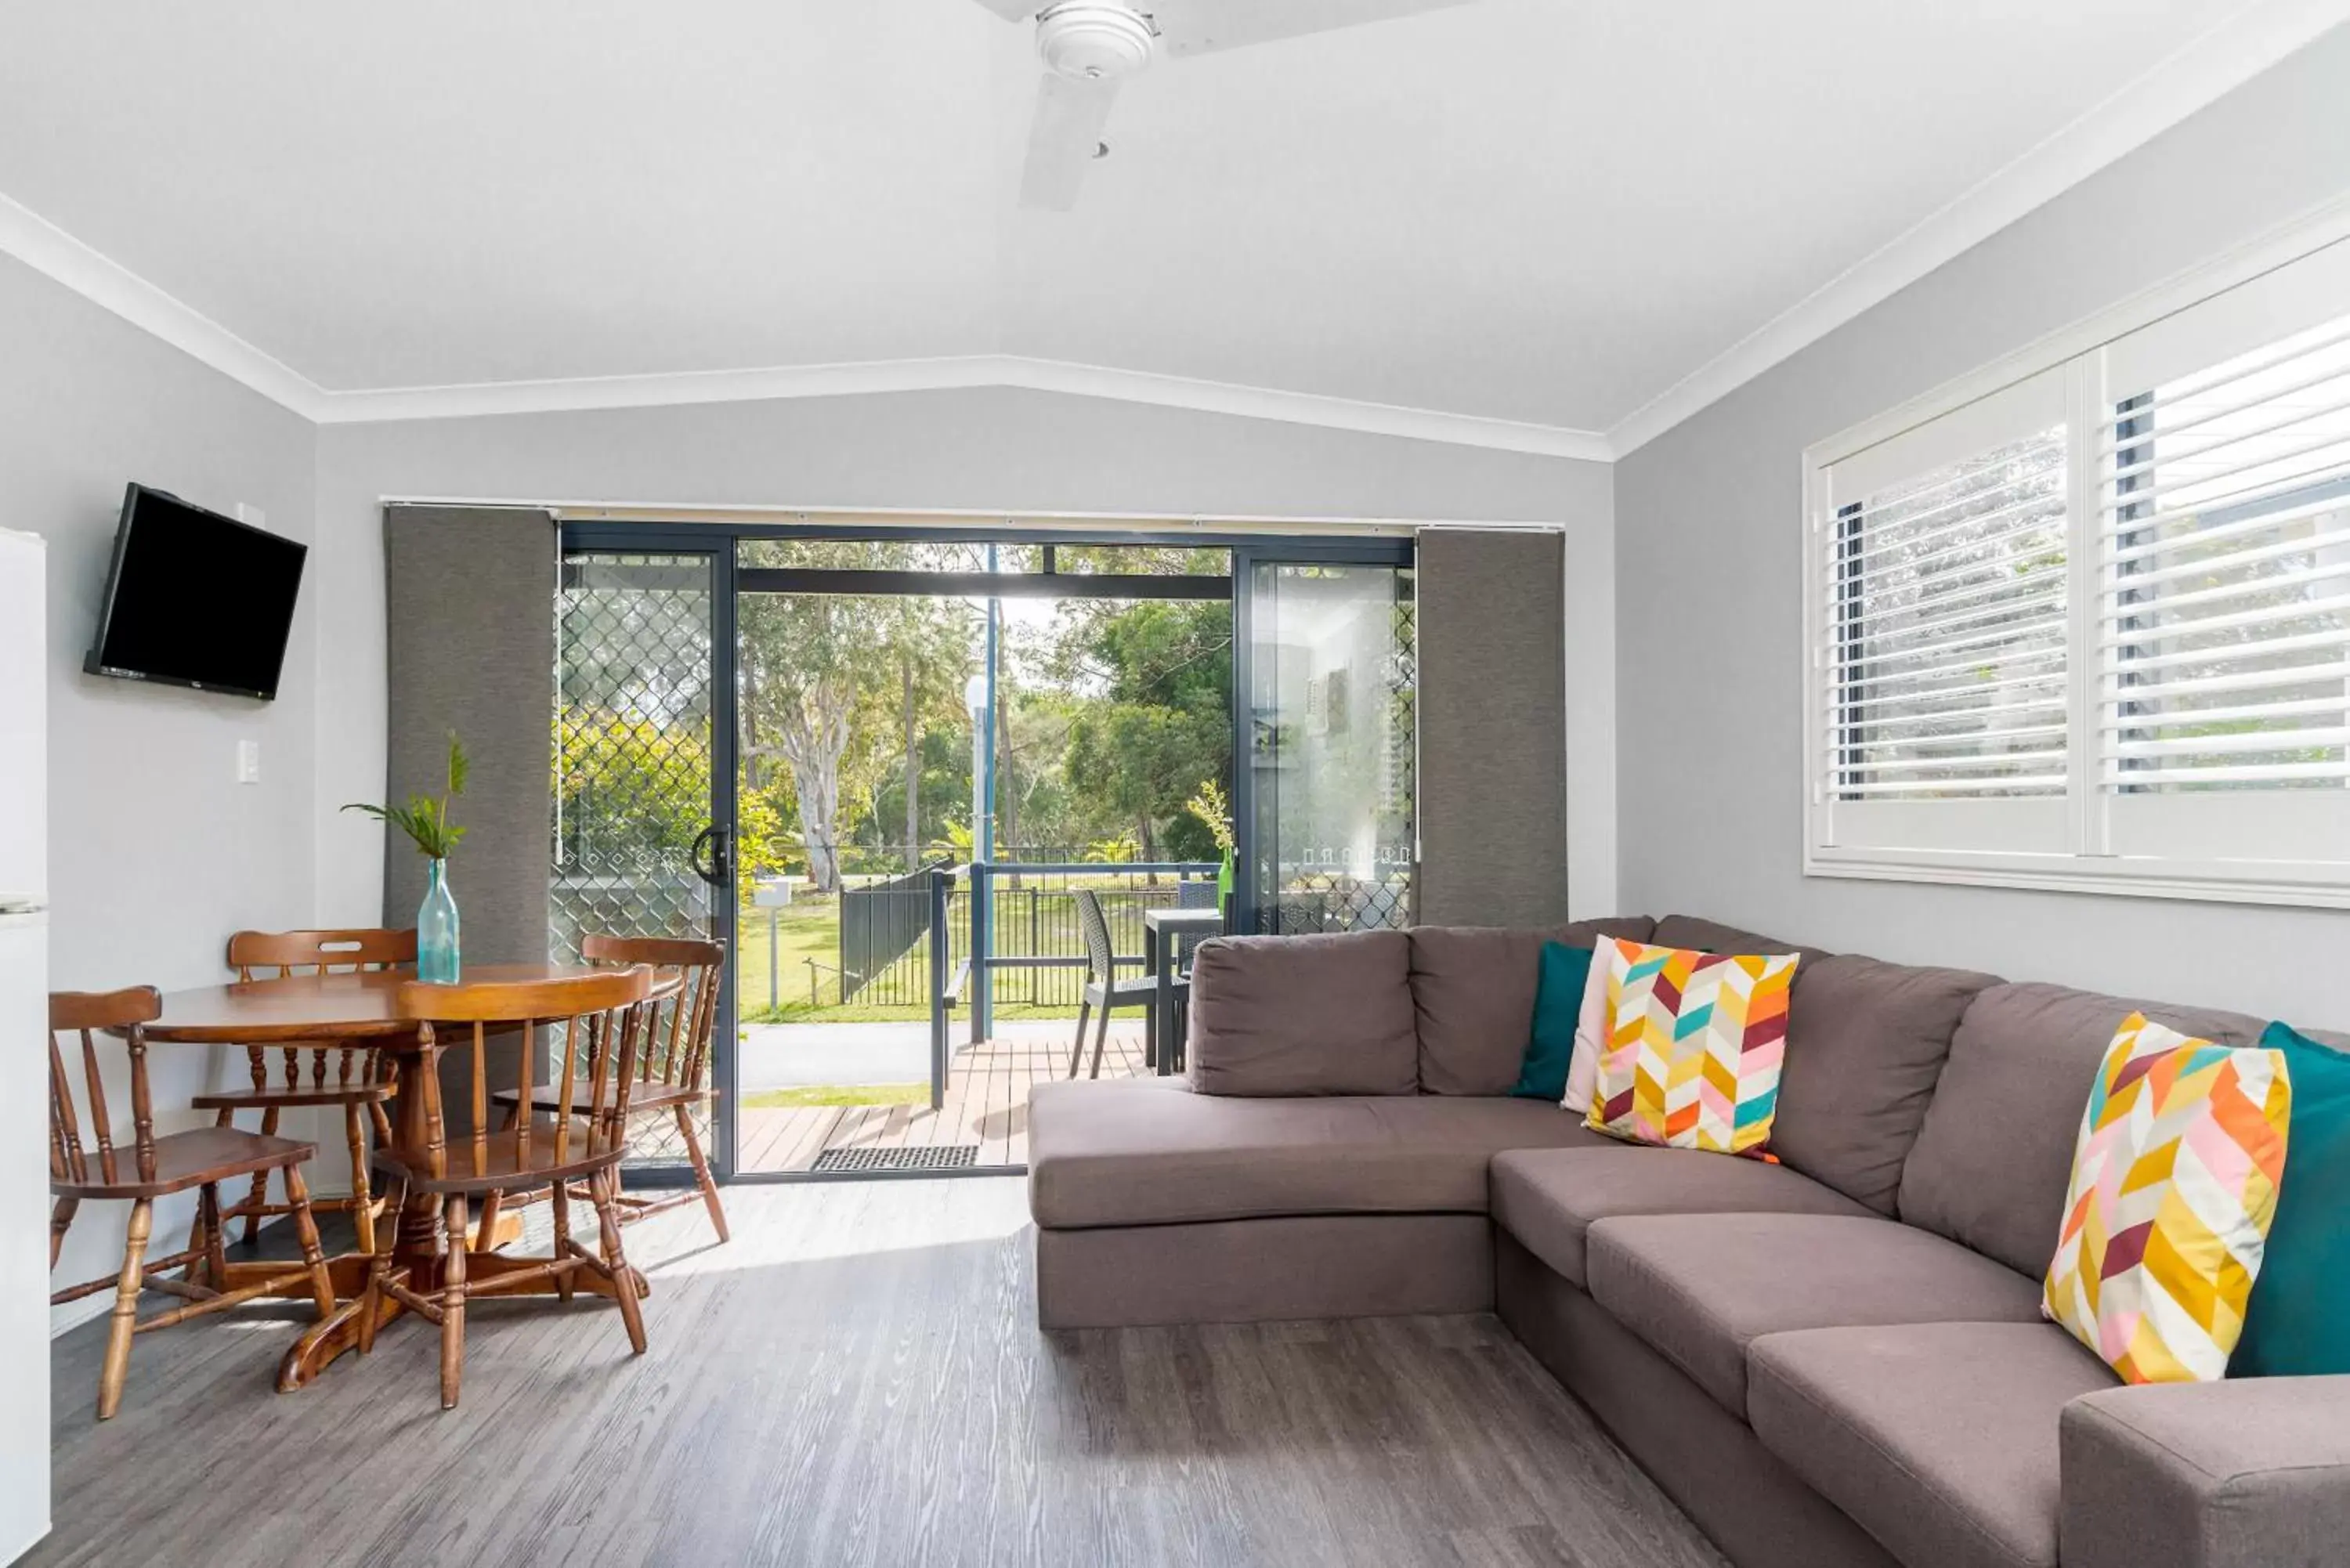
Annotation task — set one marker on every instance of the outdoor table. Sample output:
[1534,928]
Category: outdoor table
[1161,928]
[362,1011]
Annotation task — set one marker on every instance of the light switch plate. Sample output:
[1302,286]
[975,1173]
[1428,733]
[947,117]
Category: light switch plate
[251,516]
[248,762]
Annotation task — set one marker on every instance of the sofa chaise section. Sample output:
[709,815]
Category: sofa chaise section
[1157,1204]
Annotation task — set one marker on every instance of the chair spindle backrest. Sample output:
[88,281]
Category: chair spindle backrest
[604,1018]
[88,1014]
[1101,955]
[676,1053]
[269,955]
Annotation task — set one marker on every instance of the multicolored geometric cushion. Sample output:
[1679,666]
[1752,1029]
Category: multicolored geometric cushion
[1694,1046]
[2173,1183]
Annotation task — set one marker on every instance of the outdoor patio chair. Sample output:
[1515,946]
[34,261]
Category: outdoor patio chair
[1103,988]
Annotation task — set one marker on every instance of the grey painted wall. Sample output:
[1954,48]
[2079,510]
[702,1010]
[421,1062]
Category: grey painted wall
[156,852]
[1034,452]
[1709,566]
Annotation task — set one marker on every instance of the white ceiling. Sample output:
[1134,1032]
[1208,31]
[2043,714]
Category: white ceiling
[1538,211]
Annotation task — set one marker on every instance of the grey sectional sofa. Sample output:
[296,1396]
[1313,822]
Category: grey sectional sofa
[1837,1359]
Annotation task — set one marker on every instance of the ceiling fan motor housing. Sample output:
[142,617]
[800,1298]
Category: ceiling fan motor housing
[1097,42]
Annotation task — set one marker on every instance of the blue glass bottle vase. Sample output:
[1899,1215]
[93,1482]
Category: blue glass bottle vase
[436,929]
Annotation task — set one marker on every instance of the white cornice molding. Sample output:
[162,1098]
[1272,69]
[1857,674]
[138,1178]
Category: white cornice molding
[58,256]
[50,251]
[2231,54]
[468,401]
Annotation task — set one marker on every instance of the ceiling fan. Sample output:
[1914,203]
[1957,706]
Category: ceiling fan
[1089,46]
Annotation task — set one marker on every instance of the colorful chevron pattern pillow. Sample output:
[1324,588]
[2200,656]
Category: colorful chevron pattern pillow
[2173,1183]
[1694,1045]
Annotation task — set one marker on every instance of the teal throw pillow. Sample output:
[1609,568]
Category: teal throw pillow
[1558,1000]
[2297,1323]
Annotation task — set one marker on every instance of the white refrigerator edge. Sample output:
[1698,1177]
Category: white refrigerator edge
[23,1055]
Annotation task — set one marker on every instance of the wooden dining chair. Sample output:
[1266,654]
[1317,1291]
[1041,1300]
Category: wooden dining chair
[672,1077]
[601,1021]
[156,1167]
[358,1078]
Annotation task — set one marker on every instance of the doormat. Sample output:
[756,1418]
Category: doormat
[939,1157]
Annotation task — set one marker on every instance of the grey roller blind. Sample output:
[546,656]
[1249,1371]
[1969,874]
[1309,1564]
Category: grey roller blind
[1492,728]
[469,596]
[470,601]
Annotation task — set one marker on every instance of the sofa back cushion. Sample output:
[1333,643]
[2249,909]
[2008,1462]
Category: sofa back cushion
[1472,990]
[1995,1154]
[1865,1044]
[1329,1014]
[1713,937]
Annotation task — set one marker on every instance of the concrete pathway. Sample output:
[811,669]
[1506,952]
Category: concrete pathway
[804,1056]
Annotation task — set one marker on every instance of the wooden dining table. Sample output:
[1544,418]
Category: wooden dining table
[362,1011]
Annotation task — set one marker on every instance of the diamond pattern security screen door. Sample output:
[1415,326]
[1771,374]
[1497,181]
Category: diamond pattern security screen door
[637,830]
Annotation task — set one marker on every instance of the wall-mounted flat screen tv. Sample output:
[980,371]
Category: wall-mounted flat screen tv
[194,598]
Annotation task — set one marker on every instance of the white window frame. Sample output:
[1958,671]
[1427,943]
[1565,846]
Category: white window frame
[2085,864]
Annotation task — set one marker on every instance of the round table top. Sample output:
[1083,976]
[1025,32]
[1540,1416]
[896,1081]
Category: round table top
[306,1007]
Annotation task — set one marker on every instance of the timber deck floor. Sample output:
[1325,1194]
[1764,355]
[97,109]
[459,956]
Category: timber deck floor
[986,1106]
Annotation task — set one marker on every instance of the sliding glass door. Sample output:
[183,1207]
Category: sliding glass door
[819,747]
[1328,837]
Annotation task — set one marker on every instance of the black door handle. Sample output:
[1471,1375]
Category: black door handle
[712,870]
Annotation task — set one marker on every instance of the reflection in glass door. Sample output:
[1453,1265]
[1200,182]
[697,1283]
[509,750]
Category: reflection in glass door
[640,845]
[1328,787]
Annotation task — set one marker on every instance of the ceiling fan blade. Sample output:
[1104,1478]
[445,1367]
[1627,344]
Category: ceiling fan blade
[1070,114]
[1189,27]
[1016,10]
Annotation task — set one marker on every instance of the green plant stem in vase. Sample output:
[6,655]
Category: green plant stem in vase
[425,820]
[1210,806]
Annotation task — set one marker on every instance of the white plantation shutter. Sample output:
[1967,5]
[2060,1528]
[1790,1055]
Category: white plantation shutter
[1944,661]
[2226,615]
[2093,628]
[2223,626]
[1949,663]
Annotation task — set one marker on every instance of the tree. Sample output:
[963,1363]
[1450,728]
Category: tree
[1161,720]
[816,668]
[930,641]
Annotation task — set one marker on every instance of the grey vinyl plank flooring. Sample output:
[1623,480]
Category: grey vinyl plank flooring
[857,1379]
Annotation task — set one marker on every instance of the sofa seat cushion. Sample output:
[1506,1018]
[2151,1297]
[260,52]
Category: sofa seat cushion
[1548,1198]
[1702,1288]
[1938,1438]
[1146,1151]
